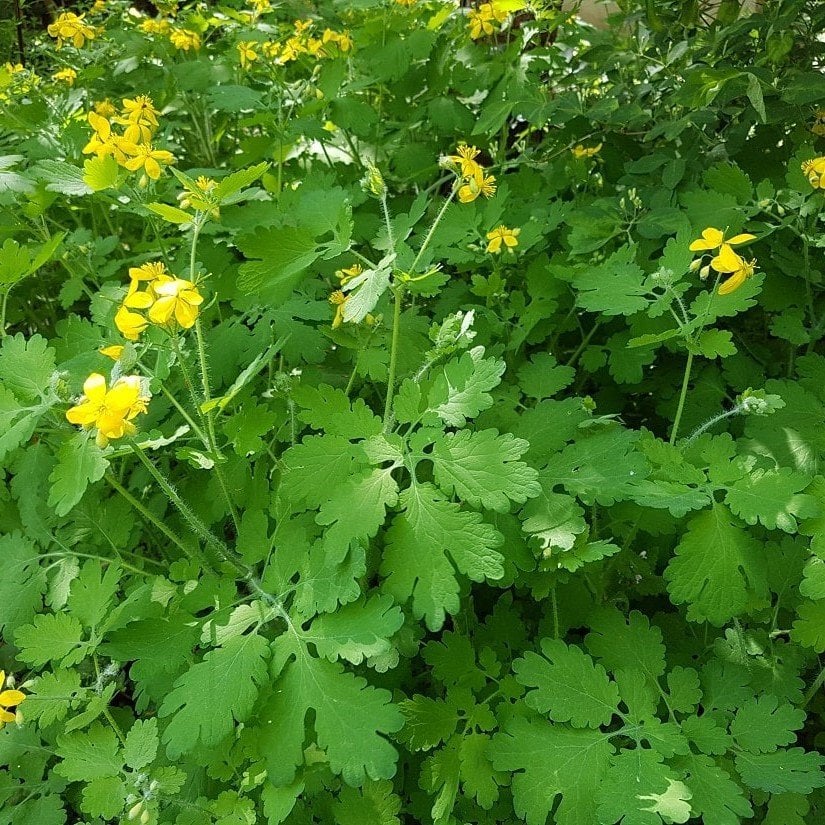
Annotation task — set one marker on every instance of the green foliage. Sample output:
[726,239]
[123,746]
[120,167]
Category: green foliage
[443,505]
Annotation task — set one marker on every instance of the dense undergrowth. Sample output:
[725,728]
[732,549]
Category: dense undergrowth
[412,413]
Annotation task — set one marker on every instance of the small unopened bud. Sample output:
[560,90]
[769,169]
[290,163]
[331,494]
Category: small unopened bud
[144,818]
[764,203]
[704,272]
[374,182]
[694,265]
[780,210]
[135,811]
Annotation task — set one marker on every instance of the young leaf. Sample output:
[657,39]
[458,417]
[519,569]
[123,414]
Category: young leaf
[212,695]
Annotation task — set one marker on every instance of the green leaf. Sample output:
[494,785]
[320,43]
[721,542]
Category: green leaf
[80,462]
[284,254]
[61,177]
[718,569]
[460,390]
[427,722]
[554,519]
[809,628]
[763,724]
[427,544]
[52,636]
[482,469]
[716,797]
[354,741]
[233,183]
[226,683]
[329,409]
[602,468]
[615,287]
[141,745]
[171,214]
[543,377]
[569,685]
[26,366]
[640,790]
[716,343]
[51,695]
[373,804]
[104,796]
[23,582]
[366,289]
[548,761]
[772,497]
[630,642]
[332,455]
[100,173]
[88,755]
[92,592]
[356,631]
[784,771]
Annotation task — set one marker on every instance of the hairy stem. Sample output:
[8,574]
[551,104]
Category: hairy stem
[682,396]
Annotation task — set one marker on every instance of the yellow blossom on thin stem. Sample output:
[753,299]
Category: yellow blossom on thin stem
[145,156]
[338,300]
[9,698]
[579,151]
[184,39]
[481,21]
[151,271]
[247,53]
[70,28]
[67,76]
[502,235]
[814,171]
[738,270]
[713,238]
[346,275]
[177,301]
[141,109]
[109,411]
[475,186]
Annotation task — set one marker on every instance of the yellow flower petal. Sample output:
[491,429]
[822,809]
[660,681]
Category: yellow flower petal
[94,387]
[743,238]
[727,260]
[9,698]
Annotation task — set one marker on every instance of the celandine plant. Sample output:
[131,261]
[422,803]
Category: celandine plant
[412,413]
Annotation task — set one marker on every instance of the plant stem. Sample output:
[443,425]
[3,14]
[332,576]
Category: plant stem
[148,515]
[815,686]
[203,532]
[396,326]
[682,396]
[3,307]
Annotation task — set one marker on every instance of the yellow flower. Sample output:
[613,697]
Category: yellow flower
[130,324]
[247,53]
[103,142]
[8,699]
[338,300]
[141,109]
[153,26]
[714,238]
[475,186]
[727,262]
[501,234]
[105,108]
[260,6]
[814,171]
[152,271]
[580,151]
[67,76]
[406,2]
[346,275]
[271,49]
[176,299]
[342,39]
[183,39]
[465,159]
[145,156]
[481,21]
[114,351]
[70,27]
[110,411]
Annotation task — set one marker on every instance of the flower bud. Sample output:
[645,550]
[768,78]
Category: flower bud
[135,811]
[374,182]
[694,265]
[704,272]
[144,818]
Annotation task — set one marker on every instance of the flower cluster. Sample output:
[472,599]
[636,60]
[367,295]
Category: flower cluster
[9,698]
[19,81]
[339,298]
[167,301]
[726,262]
[484,20]
[70,28]
[502,235]
[67,76]
[474,180]
[110,411]
[133,148]
[579,151]
[184,39]
[814,171]
[302,41]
